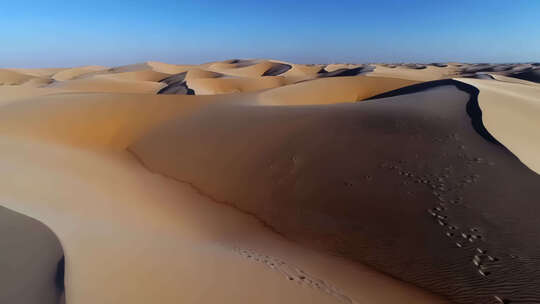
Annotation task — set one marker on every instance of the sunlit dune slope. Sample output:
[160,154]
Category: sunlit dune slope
[92,120]
[211,86]
[299,72]
[10,94]
[133,235]
[428,73]
[511,113]
[331,90]
[47,72]
[108,83]
[8,77]
[254,69]
[68,74]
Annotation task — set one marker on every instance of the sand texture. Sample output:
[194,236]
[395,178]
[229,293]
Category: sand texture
[263,181]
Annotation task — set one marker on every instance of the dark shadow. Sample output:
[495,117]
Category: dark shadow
[178,88]
[60,274]
[176,84]
[174,78]
[31,261]
[347,72]
[532,75]
[277,69]
[472,107]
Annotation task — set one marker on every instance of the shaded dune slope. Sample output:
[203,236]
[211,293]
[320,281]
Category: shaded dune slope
[178,83]
[403,183]
[532,75]
[529,72]
[472,107]
[31,268]
[277,69]
[143,238]
[347,72]
[179,88]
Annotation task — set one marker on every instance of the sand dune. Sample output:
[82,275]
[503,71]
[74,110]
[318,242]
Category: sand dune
[68,74]
[8,77]
[313,175]
[347,71]
[512,79]
[10,94]
[272,184]
[260,68]
[299,72]
[426,74]
[331,90]
[511,112]
[196,73]
[211,86]
[182,244]
[144,75]
[29,260]
[93,120]
[527,72]
[108,83]
[531,75]
[38,72]
[339,66]
[179,83]
[168,68]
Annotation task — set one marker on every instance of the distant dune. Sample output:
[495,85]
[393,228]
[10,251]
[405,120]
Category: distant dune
[257,180]
[68,74]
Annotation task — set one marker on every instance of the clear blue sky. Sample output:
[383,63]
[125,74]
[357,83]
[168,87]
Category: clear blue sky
[70,33]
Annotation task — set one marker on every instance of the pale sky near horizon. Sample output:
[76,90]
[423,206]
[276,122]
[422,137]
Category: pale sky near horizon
[72,33]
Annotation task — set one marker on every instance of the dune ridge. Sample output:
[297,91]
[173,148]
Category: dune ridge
[28,277]
[268,181]
[282,168]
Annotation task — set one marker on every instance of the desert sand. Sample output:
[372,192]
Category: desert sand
[264,181]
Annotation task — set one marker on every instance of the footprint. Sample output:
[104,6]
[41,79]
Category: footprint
[294,274]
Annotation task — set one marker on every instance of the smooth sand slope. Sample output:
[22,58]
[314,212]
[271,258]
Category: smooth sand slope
[359,179]
[30,261]
[276,186]
[134,236]
[107,83]
[72,73]
[212,86]
[428,73]
[331,90]
[511,113]
[8,77]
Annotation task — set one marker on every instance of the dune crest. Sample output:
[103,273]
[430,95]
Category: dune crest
[511,112]
[273,182]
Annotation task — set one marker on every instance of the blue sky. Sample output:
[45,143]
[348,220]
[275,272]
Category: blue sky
[71,33]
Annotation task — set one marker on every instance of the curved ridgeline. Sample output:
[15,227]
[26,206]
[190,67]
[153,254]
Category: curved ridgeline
[412,184]
[31,261]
